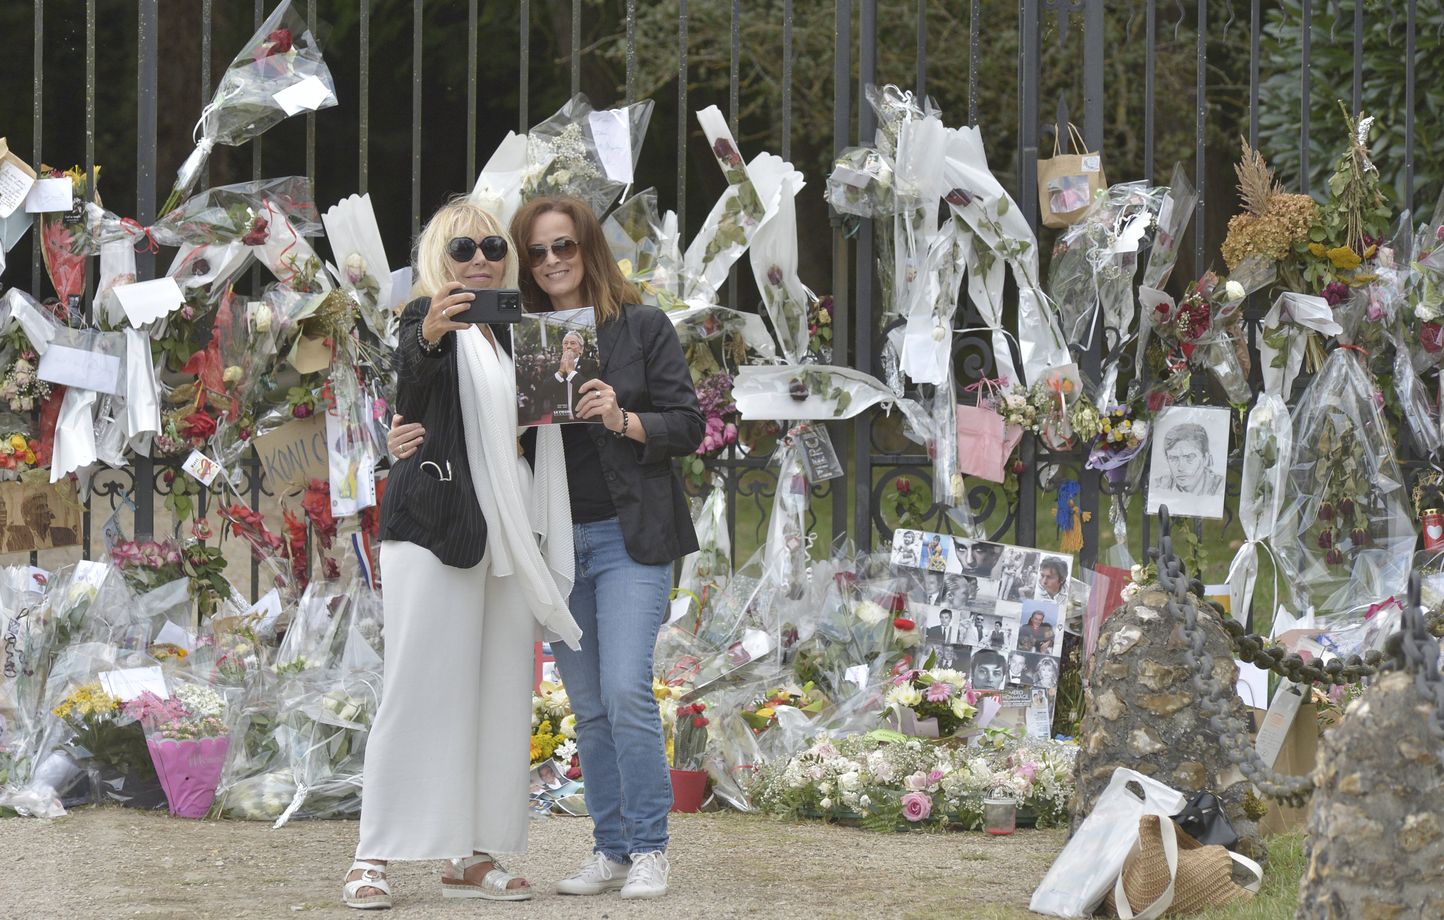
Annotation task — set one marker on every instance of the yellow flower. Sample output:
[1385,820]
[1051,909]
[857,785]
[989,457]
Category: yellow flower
[30,456]
[1317,250]
[1344,258]
[766,712]
[17,441]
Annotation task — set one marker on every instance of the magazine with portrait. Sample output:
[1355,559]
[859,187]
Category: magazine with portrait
[554,353]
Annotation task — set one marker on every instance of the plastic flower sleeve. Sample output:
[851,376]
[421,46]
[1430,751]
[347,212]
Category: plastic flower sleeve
[361,265]
[1174,214]
[1267,458]
[1283,333]
[706,572]
[586,153]
[278,73]
[861,183]
[806,393]
[773,253]
[498,187]
[929,304]
[1345,536]
[242,212]
[734,219]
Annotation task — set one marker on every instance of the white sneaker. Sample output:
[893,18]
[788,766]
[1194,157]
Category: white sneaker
[596,876]
[648,876]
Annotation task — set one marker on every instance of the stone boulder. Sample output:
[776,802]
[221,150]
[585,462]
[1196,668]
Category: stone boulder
[1142,713]
[1376,826]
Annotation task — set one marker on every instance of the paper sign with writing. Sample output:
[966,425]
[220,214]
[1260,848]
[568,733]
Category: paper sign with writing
[50,195]
[1040,716]
[818,456]
[294,454]
[612,134]
[16,179]
[1286,702]
[129,683]
[202,468]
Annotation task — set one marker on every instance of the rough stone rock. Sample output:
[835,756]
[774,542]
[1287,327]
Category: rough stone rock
[1146,715]
[1376,825]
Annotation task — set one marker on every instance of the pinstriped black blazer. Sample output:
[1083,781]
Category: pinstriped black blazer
[429,499]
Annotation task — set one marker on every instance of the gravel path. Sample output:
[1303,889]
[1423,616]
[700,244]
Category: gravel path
[113,863]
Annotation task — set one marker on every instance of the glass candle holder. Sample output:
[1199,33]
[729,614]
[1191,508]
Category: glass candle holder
[1000,816]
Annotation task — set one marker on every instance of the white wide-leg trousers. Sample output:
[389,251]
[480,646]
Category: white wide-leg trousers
[447,760]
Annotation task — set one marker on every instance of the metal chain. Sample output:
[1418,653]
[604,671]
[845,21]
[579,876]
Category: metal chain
[1215,700]
[1271,656]
[1418,651]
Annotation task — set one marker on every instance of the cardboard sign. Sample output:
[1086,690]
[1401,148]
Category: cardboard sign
[294,454]
[38,515]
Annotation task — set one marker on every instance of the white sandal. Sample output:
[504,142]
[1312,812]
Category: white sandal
[372,876]
[493,884]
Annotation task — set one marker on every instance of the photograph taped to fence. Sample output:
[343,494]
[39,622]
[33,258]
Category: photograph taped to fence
[555,353]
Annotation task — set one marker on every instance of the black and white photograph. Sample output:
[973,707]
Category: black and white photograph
[952,590]
[1017,572]
[1000,633]
[978,558]
[907,548]
[1189,461]
[951,657]
[555,353]
[943,625]
[1044,671]
[1038,631]
[988,669]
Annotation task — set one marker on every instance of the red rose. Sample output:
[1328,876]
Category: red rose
[904,485]
[699,722]
[280,41]
[904,624]
[258,233]
[197,426]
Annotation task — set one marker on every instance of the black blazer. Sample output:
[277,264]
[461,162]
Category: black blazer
[641,359]
[429,499]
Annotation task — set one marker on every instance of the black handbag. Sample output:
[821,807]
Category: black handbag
[1204,820]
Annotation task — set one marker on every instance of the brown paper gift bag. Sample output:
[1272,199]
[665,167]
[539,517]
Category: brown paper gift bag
[1068,182]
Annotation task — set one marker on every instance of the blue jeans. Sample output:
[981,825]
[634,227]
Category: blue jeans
[620,606]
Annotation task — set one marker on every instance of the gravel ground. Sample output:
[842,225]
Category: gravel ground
[112,863]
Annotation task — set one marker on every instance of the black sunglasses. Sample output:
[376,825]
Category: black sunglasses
[463,248]
[565,249]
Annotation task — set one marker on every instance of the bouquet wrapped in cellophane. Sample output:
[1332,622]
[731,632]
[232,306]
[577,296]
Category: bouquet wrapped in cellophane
[586,153]
[278,73]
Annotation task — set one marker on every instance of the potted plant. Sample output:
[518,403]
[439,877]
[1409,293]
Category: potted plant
[689,780]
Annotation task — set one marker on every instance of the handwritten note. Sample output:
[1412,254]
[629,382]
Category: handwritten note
[50,195]
[15,185]
[612,134]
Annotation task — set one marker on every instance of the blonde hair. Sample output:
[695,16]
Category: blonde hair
[458,217]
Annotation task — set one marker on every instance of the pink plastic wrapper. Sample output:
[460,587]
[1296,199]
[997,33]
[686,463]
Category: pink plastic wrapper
[189,771]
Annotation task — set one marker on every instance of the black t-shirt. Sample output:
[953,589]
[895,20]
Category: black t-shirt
[591,500]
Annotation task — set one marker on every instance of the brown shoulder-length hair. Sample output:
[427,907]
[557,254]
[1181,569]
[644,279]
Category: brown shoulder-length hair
[603,285]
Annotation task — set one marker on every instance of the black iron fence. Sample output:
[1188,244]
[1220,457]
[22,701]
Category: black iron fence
[1152,81]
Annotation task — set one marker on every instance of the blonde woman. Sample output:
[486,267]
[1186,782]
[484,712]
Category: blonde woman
[467,585]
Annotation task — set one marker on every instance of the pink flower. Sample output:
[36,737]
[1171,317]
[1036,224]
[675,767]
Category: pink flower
[939,692]
[916,782]
[1028,771]
[917,806]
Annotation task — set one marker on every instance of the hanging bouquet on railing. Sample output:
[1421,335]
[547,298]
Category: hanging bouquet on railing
[65,236]
[1121,438]
[585,153]
[1425,291]
[278,73]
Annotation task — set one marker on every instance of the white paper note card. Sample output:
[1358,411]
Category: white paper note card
[202,467]
[307,96]
[612,133]
[50,195]
[15,184]
[267,610]
[147,301]
[128,684]
[79,368]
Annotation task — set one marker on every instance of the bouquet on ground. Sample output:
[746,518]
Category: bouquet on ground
[690,738]
[762,712]
[109,734]
[277,74]
[187,737]
[934,702]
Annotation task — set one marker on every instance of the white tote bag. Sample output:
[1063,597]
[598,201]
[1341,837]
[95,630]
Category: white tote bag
[1086,870]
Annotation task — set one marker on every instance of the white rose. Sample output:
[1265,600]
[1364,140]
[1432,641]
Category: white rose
[261,318]
[1140,430]
[864,801]
[849,781]
[825,788]
[825,804]
[939,333]
[870,612]
[1234,291]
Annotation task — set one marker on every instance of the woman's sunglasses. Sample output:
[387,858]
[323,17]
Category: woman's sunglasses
[565,249]
[463,248]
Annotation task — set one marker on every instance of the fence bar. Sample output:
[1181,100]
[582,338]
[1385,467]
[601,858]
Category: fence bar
[1409,77]
[1306,38]
[38,94]
[416,26]
[922,49]
[1254,34]
[1200,128]
[206,17]
[524,78]
[1359,56]
[1027,198]
[632,51]
[258,15]
[576,46]
[471,64]
[787,92]
[1150,58]
[310,116]
[147,56]
[363,164]
[841,105]
[973,62]
[864,322]
[733,62]
[682,119]
[86,518]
